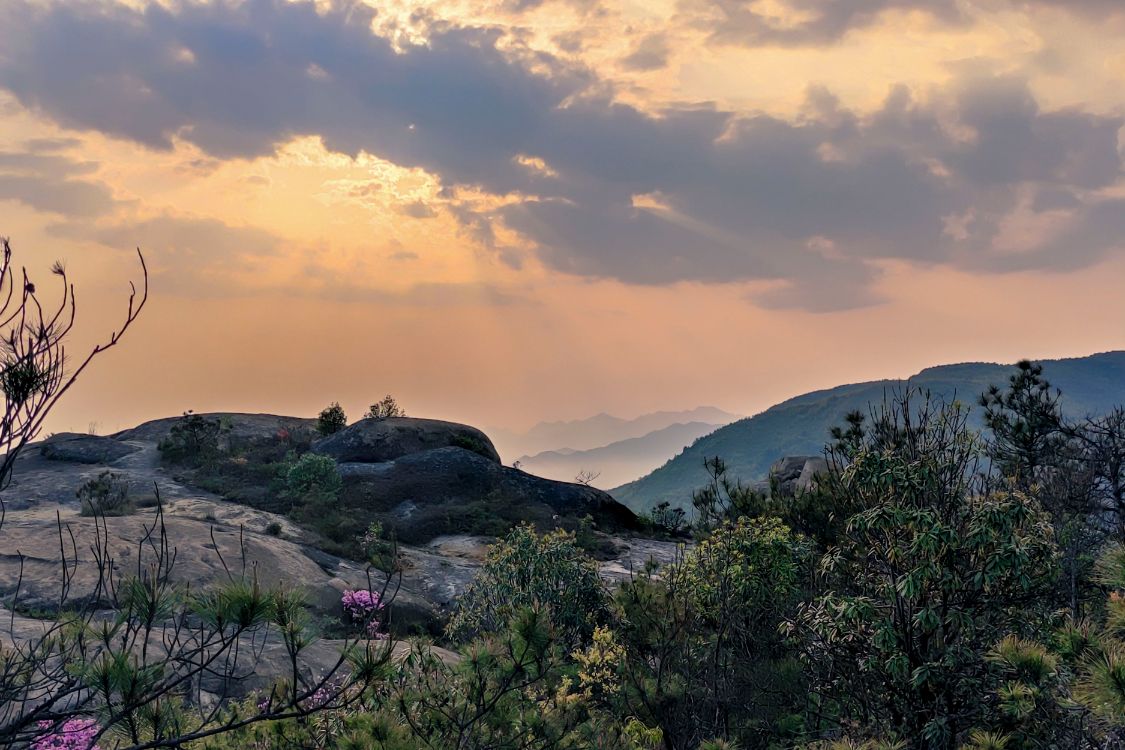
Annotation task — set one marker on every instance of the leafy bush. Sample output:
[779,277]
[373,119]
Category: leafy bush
[547,574]
[331,420]
[273,528]
[746,573]
[105,495]
[313,476]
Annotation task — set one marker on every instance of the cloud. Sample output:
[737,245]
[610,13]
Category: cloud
[181,240]
[650,54]
[418,210]
[811,205]
[46,182]
[807,23]
[794,23]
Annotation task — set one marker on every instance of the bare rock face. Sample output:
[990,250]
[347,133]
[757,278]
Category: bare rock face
[379,440]
[84,449]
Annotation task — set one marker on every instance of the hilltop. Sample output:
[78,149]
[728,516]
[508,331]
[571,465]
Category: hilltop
[800,425]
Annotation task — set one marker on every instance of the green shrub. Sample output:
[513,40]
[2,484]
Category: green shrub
[471,443]
[273,528]
[526,571]
[105,495]
[313,475]
[331,420]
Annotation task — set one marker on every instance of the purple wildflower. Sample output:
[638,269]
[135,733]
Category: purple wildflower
[74,734]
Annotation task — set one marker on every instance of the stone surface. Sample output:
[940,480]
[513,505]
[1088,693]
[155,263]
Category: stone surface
[379,440]
[236,427]
[448,490]
[84,449]
[210,535]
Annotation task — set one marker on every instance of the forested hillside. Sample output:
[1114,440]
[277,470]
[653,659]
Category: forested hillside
[800,425]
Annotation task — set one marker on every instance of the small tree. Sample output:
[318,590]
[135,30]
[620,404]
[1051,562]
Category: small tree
[587,477]
[701,656]
[385,409]
[666,518]
[331,420]
[1026,424]
[193,439]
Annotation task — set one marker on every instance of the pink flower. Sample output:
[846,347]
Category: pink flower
[74,734]
[362,606]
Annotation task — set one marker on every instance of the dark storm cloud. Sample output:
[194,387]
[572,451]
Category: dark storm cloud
[686,195]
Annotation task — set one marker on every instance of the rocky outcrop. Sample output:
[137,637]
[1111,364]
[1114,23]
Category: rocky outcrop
[84,449]
[424,490]
[450,490]
[380,440]
[236,428]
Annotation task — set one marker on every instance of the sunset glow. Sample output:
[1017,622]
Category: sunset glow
[513,210]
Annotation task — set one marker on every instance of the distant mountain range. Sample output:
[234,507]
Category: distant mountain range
[598,431]
[618,462]
[800,426]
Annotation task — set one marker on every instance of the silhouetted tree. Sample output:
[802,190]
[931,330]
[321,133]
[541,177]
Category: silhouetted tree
[385,409]
[331,419]
[1026,424]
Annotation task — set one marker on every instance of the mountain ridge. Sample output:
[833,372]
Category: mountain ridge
[799,425]
[620,461]
[598,431]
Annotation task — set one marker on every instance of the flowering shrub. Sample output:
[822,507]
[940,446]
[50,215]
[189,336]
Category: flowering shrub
[75,734]
[362,606]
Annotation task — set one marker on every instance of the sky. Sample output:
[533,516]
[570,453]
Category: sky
[506,211]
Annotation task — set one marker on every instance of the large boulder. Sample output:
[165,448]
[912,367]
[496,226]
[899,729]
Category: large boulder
[379,440]
[84,449]
[794,474]
[455,491]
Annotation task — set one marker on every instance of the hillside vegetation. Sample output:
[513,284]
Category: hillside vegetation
[800,426]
